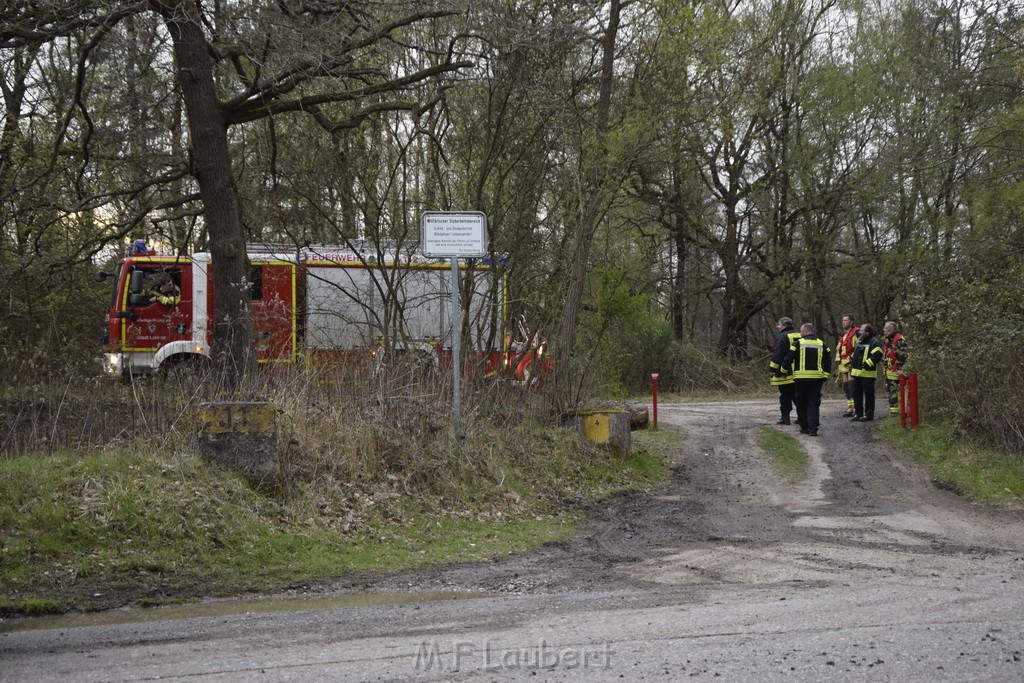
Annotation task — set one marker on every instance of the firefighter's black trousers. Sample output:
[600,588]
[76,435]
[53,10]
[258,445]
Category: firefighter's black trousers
[808,403]
[864,396]
[786,396]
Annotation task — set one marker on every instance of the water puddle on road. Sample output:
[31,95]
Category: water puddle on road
[224,608]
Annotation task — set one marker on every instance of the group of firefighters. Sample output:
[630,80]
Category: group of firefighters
[801,363]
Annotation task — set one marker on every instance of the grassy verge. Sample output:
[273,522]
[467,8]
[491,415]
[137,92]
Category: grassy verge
[137,525]
[789,456]
[977,473]
[652,453]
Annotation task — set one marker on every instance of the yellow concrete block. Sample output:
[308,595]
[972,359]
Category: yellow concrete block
[242,436]
[237,418]
[597,428]
[608,428]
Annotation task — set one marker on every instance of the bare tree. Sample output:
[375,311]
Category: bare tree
[235,63]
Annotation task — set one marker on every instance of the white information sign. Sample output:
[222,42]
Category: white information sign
[453,234]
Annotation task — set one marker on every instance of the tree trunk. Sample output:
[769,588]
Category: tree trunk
[679,290]
[211,158]
[595,174]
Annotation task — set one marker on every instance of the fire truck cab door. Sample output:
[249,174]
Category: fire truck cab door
[274,310]
[152,324]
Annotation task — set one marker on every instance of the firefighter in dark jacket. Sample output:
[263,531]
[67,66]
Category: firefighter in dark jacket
[781,375]
[895,349]
[864,364]
[811,362]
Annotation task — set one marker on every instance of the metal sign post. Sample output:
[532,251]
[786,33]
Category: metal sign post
[456,350]
[454,234]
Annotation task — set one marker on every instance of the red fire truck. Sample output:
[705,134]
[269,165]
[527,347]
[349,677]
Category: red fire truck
[311,305]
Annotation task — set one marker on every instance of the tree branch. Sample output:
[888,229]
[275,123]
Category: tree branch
[254,110]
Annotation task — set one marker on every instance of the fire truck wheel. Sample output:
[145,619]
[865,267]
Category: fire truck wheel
[186,370]
[406,366]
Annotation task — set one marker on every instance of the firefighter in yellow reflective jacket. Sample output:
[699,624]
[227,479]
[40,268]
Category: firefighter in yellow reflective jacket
[864,363]
[166,292]
[780,374]
[811,362]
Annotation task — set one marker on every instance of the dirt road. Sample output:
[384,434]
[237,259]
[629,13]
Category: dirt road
[728,516]
[864,569]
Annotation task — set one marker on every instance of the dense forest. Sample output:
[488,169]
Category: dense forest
[665,178]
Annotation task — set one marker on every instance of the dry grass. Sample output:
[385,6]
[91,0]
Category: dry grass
[107,497]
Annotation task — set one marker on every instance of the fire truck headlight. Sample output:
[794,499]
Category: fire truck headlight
[113,363]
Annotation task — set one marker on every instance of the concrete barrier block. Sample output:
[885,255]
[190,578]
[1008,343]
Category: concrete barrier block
[639,416]
[243,436]
[607,428]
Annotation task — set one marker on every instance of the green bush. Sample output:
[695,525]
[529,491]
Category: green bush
[966,348]
[627,338]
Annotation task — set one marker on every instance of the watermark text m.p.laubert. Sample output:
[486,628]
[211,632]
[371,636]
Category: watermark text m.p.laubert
[489,656]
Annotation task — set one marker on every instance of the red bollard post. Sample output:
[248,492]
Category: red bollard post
[654,383]
[914,415]
[904,400]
